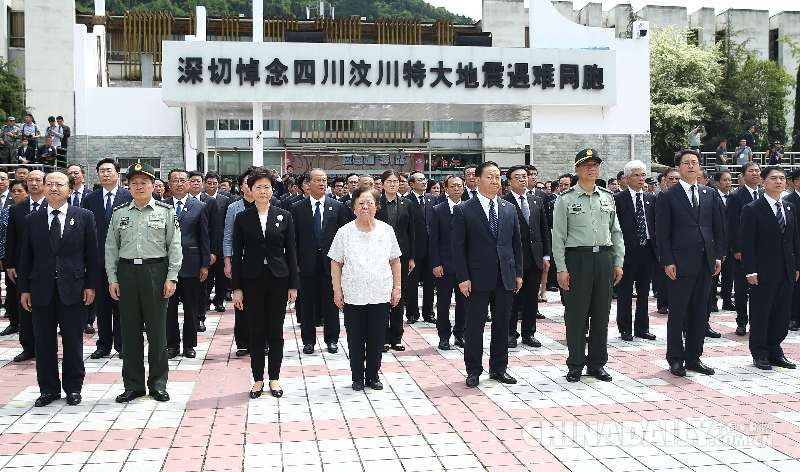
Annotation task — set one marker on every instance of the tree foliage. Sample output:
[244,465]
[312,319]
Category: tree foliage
[12,93]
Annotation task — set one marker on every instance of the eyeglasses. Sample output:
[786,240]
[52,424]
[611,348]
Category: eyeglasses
[55,185]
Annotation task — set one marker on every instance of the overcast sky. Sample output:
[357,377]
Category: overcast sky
[472,8]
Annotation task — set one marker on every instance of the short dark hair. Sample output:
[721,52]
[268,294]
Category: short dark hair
[241,178]
[258,174]
[51,118]
[169,175]
[567,175]
[18,182]
[718,176]
[679,155]
[485,165]
[107,160]
[531,168]
[513,169]
[359,190]
[620,175]
[194,173]
[770,169]
[388,173]
[470,166]
[611,180]
[76,165]
[351,174]
[451,177]
[747,165]
[211,175]
[402,175]
[59,117]
[338,179]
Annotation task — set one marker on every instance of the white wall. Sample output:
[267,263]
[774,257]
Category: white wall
[128,112]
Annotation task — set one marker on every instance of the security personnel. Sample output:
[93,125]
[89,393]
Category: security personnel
[143,257]
[589,252]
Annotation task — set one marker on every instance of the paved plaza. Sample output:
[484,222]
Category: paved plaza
[425,419]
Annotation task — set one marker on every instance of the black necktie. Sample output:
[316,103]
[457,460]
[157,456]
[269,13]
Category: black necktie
[694,197]
[317,223]
[55,230]
[755,195]
[75,200]
[35,206]
[473,192]
[779,214]
[422,202]
[493,223]
[109,206]
[640,223]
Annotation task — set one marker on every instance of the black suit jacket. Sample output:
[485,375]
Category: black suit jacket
[251,246]
[217,209]
[467,194]
[334,216]
[8,201]
[15,233]
[626,214]
[95,203]
[29,153]
[439,243]
[422,220]
[736,201]
[686,234]
[534,232]
[71,267]
[767,251]
[472,243]
[195,239]
[404,228]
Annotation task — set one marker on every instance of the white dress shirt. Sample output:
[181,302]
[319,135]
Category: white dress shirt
[751,190]
[452,204]
[485,204]
[62,215]
[723,196]
[40,202]
[321,206]
[687,188]
[633,194]
[182,200]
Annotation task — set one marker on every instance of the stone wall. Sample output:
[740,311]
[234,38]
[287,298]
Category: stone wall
[87,150]
[554,154]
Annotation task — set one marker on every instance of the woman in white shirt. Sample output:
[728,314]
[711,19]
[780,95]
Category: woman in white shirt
[365,269]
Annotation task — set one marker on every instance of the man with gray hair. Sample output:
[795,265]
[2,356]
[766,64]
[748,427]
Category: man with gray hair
[636,212]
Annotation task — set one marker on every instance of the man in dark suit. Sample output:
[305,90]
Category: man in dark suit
[5,202]
[421,204]
[770,247]
[59,272]
[101,203]
[15,235]
[196,247]
[535,236]
[481,223]
[443,271]
[195,189]
[216,276]
[636,212]
[80,191]
[723,182]
[351,183]
[749,180]
[794,198]
[690,246]
[317,218]
[470,182]
[25,153]
[533,179]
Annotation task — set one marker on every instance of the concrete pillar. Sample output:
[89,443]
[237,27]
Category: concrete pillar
[4,30]
[258,134]
[619,17]
[747,26]
[258,21]
[703,20]
[100,33]
[200,29]
[591,14]
[788,24]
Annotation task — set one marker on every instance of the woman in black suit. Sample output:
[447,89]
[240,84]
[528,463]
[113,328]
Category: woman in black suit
[264,276]
[396,211]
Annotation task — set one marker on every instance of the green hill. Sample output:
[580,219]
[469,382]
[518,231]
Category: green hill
[371,9]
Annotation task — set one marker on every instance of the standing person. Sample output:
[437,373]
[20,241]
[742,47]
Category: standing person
[365,270]
[194,187]
[216,274]
[66,132]
[470,182]
[192,218]
[690,247]
[721,155]
[724,183]
[774,154]
[589,254]
[14,237]
[444,271]
[695,136]
[483,222]
[396,212]
[660,285]
[59,272]
[794,198]
[80,191]
[351,184]
[749,180]
[317,218]
[636,212]
[535,237]
[434,188]
[101,203]
[749,136]
[5,202]
[770,247]
[743,153]
[421,204]
[9,135]
[19,193]
[143,258]
[31,131]
[264,277]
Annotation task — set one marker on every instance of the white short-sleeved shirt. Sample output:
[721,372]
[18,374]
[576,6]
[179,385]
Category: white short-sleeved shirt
[366,273]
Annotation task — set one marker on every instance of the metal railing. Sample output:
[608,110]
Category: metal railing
[789,162]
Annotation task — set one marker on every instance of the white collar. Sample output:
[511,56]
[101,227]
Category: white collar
[451,202]
[750,190]
[113,191]
[485,201]
[314,201]
[182,200]
[721,194]
[771,200]
[634,192]
[516,195]
[37,201]
[79,190]
[62,209]
[687,187]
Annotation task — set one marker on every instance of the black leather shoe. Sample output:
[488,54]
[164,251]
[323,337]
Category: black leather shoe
[429,319]
[219,308]
[308,349]
[677,369]
[531,341]
[444,345]
[714,308]
[783,362]
[398,347]
[459,342]
[412,320]
[762,364]
[358,386]
[512,342]
[473,380]
[172,352]
[242,352]
[46,399]
[130,395]
[539,315]
[201,327]
[663,311]
[73,399]
[189,353]
[728,306]
[276,392]
[24,356]
[649,336]
[256,393]
[375,384]
[9,330]
[700,368]
[741,330]
[502,377]
[710,333]
[333,348]
[386,347]
[574,375]
[89,329]
[794,325]
[160,395]
[97,354]
[599,373]
[626,336]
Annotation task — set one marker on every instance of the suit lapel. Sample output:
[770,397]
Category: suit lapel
[69,222]
[327,213]
[683,197]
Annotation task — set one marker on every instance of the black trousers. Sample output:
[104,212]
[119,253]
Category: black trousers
[741,289]
[526,303]
[366,333]
[477,307]
[660,286]
[46,320]
[11,303]
[795,314]
[445,286]
[421,273]
[265,304]
[726,280]
[317,296]
[638,270]
[27,338]
[217,282]
[188,291]
[770,312]
[394,328]
[109,331]
[688,304]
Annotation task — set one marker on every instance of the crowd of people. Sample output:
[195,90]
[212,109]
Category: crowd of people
[126,253]
[21,144]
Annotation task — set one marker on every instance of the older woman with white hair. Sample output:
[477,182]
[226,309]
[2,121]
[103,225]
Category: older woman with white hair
[636,212]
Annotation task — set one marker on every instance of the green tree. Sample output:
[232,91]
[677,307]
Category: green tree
[683,80]
[12,93]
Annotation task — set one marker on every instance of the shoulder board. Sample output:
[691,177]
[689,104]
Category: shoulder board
[162,204]
[603,189]
[122,205]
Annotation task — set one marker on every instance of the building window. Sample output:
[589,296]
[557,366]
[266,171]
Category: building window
[16,31]
[774,36]
[693,37]
[209,125]
[246,125]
